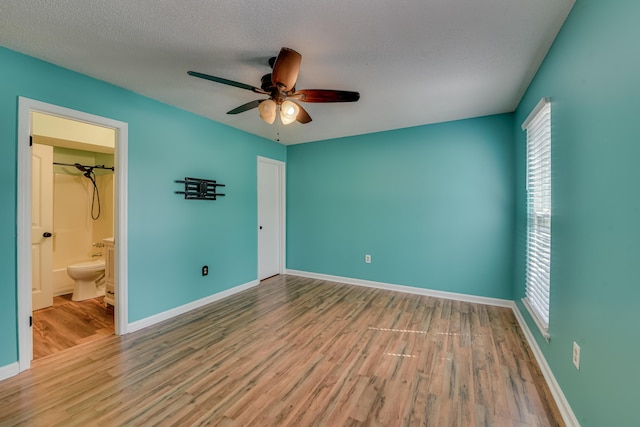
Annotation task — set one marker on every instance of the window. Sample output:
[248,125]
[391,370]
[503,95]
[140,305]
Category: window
[538,263]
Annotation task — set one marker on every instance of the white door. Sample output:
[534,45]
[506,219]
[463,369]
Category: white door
[270,214]
[41,226]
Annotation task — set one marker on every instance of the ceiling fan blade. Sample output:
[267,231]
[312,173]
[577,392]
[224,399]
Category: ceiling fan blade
[302,117]
[325,95]
[245,107]
[225,81]
[285,69]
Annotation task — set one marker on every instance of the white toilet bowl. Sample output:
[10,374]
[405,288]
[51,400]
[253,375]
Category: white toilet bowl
[85,275]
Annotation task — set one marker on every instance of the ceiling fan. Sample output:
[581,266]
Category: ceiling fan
[280,86]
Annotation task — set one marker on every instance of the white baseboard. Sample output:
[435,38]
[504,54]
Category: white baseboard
[563,405]
[60,292]
[8,371]
[157,318]
[407,289]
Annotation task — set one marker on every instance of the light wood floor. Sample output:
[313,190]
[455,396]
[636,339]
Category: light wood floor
[68,323]
[296,352]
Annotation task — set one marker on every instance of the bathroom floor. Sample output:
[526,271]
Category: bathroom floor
[69,323]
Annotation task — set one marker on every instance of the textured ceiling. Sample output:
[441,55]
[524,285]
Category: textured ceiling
[414,62]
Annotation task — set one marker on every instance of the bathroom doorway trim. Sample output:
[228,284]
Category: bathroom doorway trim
[25,107]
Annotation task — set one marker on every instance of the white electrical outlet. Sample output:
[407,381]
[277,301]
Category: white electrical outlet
[367,259]
[576,355]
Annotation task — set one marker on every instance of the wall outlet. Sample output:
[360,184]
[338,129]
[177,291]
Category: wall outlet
[205,270]
[367,259]
[576,355]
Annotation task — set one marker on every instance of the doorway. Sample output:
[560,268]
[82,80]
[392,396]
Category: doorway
[26,109]
[271,217]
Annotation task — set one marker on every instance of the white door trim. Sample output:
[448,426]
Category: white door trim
[282,236]
[25,107]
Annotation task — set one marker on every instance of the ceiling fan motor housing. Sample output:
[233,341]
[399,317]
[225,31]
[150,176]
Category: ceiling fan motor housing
[266,83]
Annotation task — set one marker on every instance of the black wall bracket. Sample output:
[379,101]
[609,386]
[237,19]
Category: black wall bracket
[199,189]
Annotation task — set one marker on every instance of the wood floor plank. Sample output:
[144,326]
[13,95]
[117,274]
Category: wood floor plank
[294,352]
[68,323]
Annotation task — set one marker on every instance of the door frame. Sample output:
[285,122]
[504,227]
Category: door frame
[24,190]
[282,205]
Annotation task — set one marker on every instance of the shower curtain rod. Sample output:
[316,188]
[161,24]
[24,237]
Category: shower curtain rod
[112,168]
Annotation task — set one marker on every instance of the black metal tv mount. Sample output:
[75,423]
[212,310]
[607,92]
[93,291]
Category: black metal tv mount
[199,189]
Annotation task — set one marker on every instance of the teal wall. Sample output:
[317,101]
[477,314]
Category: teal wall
[433,205]
[169,238]
[592,74]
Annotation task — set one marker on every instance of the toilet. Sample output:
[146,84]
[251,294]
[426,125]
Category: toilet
[85,274]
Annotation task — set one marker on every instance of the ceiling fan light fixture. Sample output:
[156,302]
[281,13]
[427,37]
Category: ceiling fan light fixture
[267,109]
[278,85]
[288,112]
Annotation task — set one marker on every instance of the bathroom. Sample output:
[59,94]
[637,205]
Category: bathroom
[73,168]
[82,215]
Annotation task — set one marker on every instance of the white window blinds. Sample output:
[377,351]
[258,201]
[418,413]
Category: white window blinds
[538,262]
